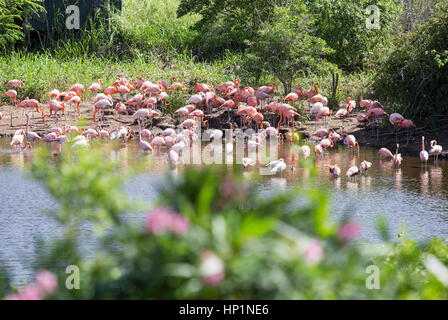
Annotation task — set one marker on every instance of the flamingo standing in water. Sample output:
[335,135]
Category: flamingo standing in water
[145,145]
[351,142]
[32,136]
[424,154]
[229,145]
[396,159]
[435,150]
[385,153]
[335,171]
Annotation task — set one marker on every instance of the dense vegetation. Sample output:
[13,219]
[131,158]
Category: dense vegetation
[415,75]
[260,41]
[212,235]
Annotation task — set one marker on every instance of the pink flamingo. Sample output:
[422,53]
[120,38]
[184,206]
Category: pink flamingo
[406,124]
[385,153]
[144,145]
[96,86]
[435,150]
[424,154]
[32,136]
[78,89]
[335,171]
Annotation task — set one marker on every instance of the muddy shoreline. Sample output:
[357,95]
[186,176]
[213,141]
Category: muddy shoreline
[366,136]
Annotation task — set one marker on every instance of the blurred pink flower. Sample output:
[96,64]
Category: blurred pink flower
[161,220]
[211,269]
[32,292]
[349,231]
[227,188]
[45,283]
[313,252]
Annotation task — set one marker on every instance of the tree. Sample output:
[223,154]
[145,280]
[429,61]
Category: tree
[226,24]
[12,14]
[342,24]
[286,48]
[414,78]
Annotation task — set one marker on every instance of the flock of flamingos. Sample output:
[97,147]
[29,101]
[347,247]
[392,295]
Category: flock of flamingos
[147,99]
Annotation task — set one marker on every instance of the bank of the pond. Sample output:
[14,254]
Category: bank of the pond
[219,119]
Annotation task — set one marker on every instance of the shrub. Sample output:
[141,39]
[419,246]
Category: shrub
[414,78]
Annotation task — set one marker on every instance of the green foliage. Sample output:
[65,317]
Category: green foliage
[286,48]
[342,24]
[227,241]
[226,24]
[12,14]
[414,79]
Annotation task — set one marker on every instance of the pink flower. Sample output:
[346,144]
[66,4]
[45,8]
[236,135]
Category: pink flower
[227,188]
[349,231]
[32,292]
[161,220]
[47,281]
[313,252]
[211,269]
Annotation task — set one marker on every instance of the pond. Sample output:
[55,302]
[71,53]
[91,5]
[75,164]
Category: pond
[412,197]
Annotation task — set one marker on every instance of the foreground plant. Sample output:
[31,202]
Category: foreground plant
[212,235]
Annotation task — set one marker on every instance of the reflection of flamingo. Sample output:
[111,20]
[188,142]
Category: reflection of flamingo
[424,154]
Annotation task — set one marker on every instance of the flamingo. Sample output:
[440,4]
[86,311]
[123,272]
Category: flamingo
[78,88]
[229,145]
[279,167]
[77,100]
[173,158]
[16,83]
[305,151]
[352,172]
[364,166]
[406,124]
[397,157]
[321,133]
[385,153]
[435,150]
[292,97]
[32,136]
[351,142]
[248,162]
[324,112]
[424,154]
[335,171]
[17,139]
[144,145]
[96,86]
[100,106]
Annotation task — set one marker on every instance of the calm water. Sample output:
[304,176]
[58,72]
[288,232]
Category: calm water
[414,199]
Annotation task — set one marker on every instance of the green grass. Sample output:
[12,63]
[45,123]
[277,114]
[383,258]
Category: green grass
[44,71]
